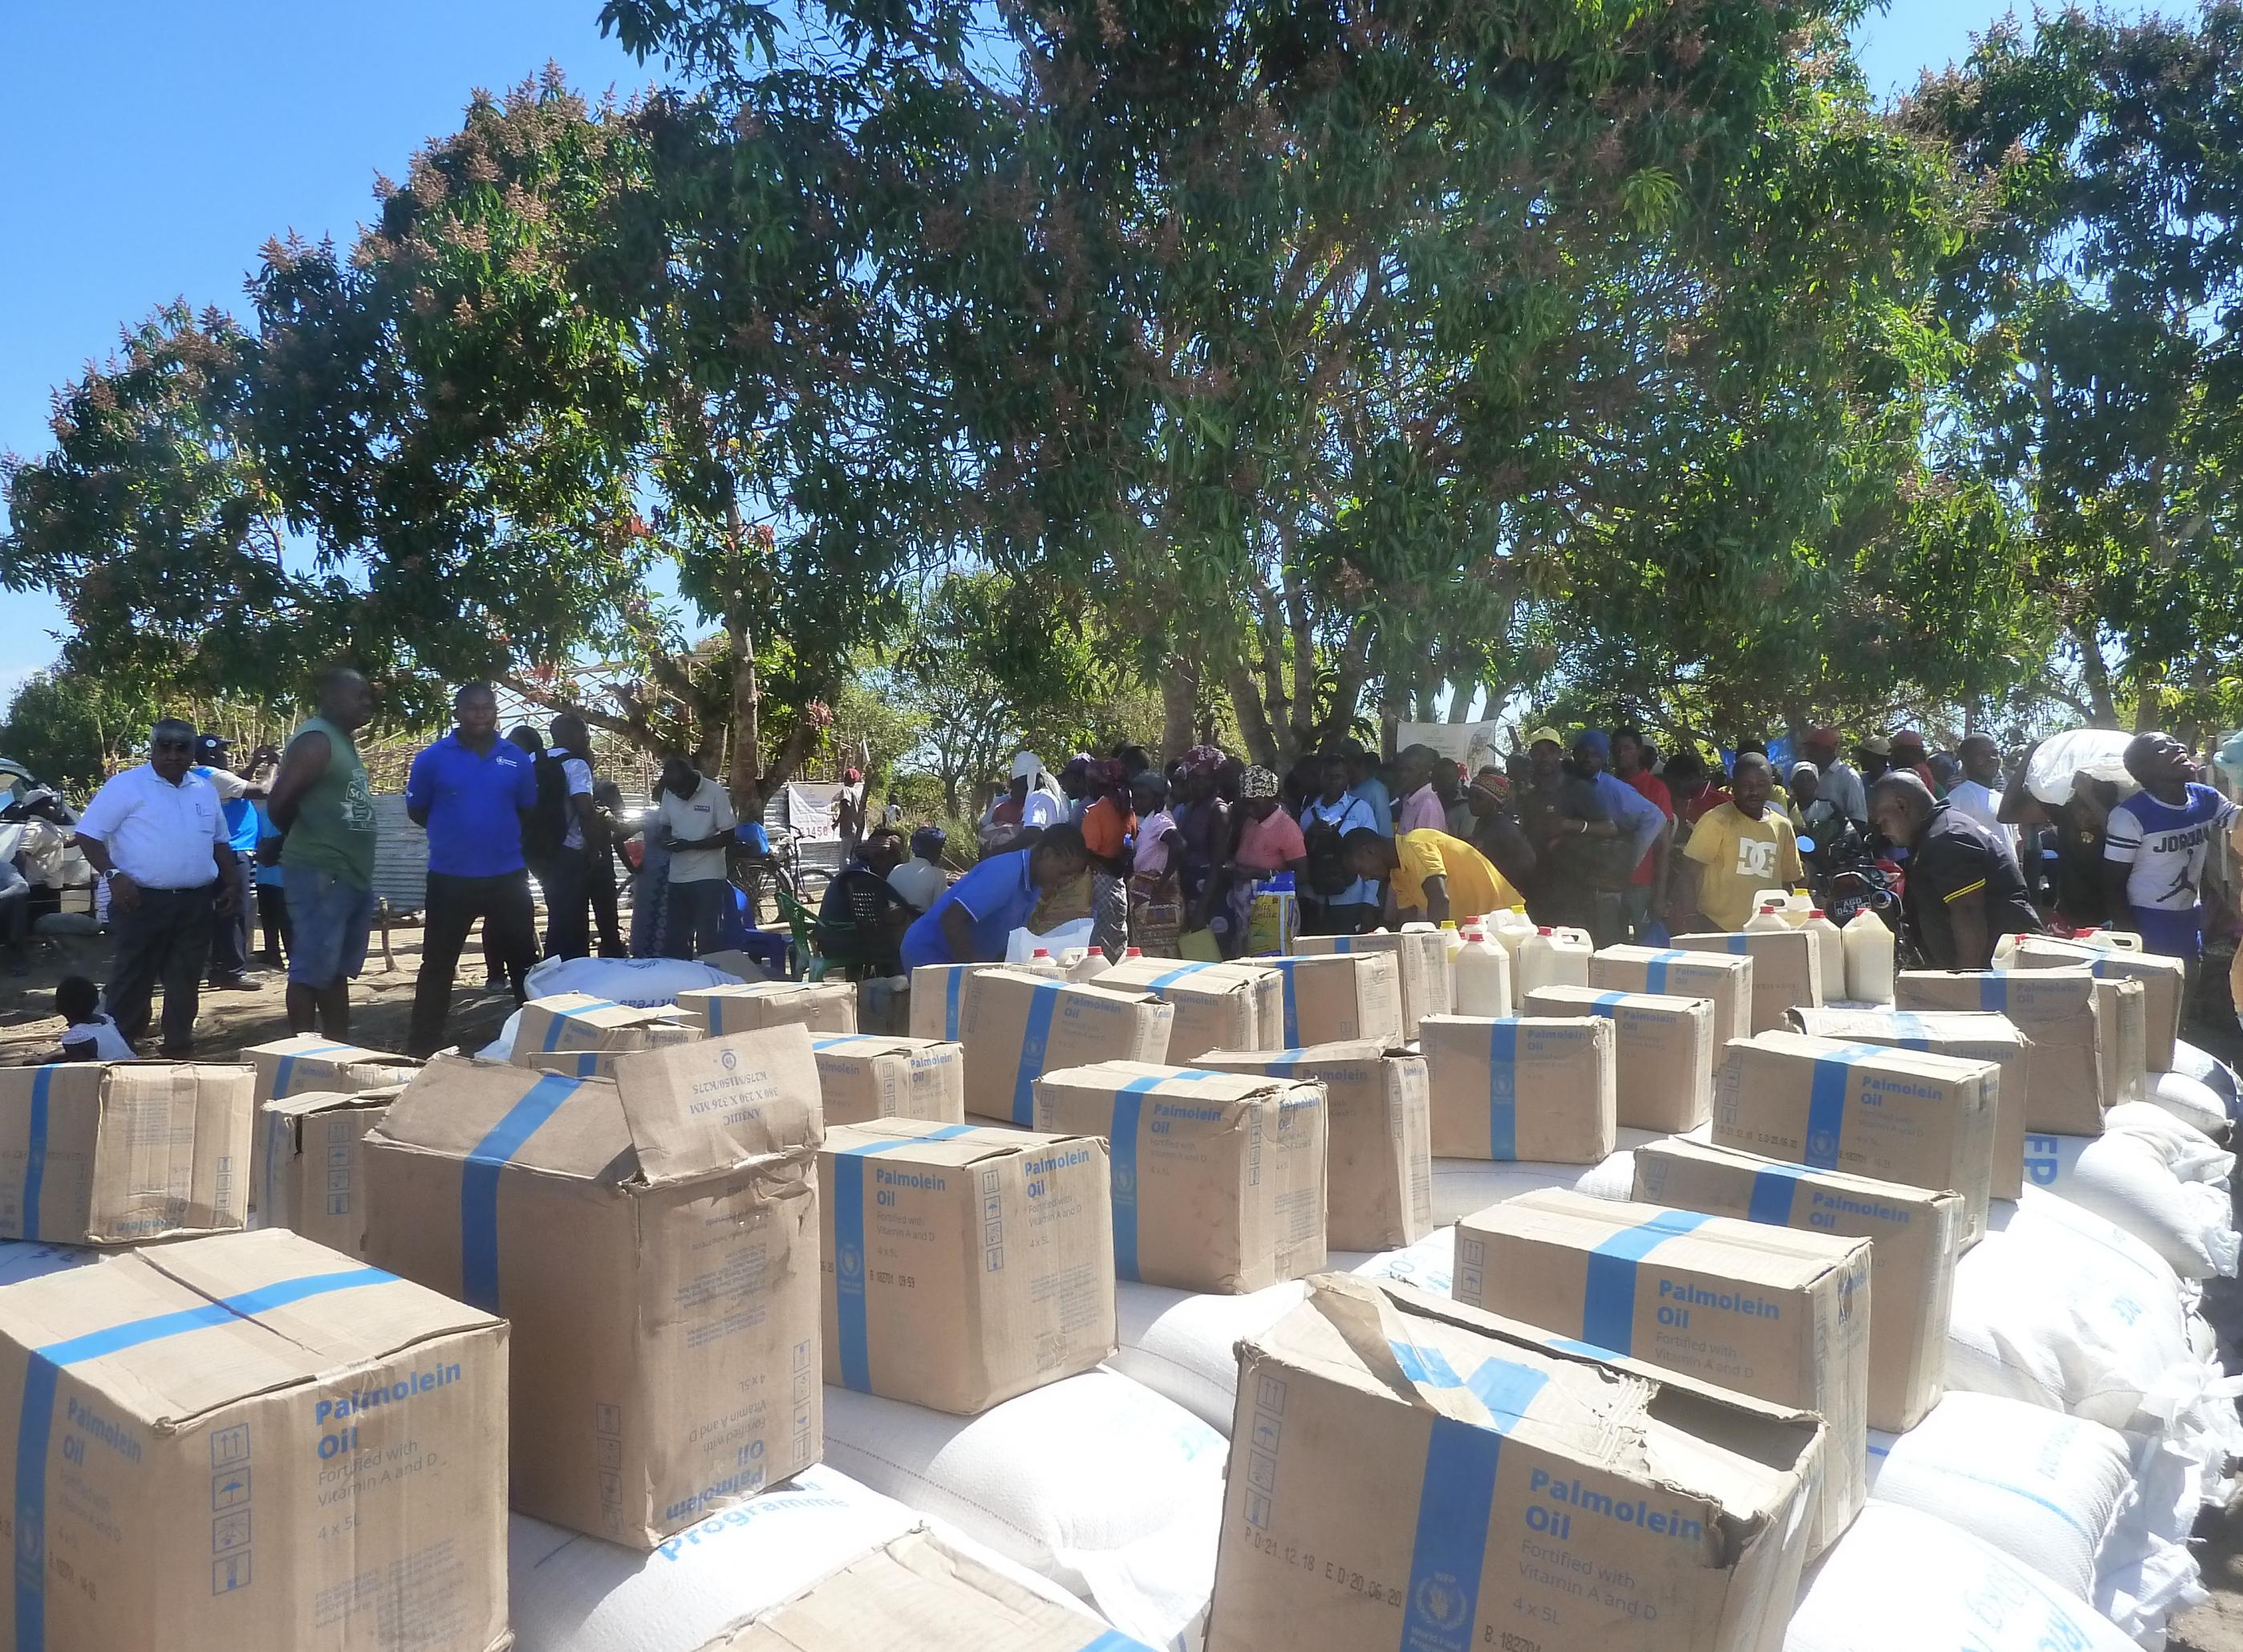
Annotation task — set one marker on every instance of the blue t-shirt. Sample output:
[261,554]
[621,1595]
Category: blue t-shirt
[1372,791]
[241,817]
[474,804]
[272,877]
[997,895]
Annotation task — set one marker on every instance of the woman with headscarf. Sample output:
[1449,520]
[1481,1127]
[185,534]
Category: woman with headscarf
[1268,841]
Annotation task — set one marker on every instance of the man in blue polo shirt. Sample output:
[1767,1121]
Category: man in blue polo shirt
[975,917]
[470,791]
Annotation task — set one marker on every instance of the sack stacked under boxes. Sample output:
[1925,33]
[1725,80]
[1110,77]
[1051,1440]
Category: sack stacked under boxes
[812,1333]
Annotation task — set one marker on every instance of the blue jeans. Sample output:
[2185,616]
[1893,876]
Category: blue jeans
[695,917]
[328,918]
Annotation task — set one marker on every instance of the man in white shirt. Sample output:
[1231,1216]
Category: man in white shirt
[696,820]
[159,833]
[1974,794]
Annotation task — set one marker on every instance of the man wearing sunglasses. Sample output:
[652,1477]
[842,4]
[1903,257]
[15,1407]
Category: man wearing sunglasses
[159,833]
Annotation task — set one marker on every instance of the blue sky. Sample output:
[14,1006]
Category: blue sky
[155,148]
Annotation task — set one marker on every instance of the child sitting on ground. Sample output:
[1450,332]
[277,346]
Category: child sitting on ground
[89,1036]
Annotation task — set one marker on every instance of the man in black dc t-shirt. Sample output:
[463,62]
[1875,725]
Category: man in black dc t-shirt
[1963,890]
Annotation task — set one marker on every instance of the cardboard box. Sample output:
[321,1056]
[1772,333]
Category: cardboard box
[920,1595]
[1425,992]
[1016,1028]
[1218,1006]
[734,962]
[865,1076]
[579,1036]
[1726,978]
[1662,1051]
[1780,1315]
[307,1061]
[965,1264]
[2057,1011]
[937,994]
[1460,1483]
[1970,1035]
[1340,998]
[1379,1156]
[654,1241]
[2164,982]
[1218,1178]
[1786,970]
[822,1006]
[1522,1087]
[231,1442]
[121,1152]
[309,1167]
[1915,1233]
[1895,1115]
[2123,1006]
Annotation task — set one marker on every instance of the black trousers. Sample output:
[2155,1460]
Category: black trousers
[272,914]
[165,938]
[229,951]
[604,912]
[562,880]
[510,924]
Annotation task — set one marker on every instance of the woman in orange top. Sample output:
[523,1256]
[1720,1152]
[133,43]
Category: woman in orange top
[1108,823]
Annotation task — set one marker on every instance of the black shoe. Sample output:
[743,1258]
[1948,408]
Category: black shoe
[238,984]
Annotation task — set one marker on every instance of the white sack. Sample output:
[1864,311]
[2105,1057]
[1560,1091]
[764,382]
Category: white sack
[1463,1186]
[1429,1265]
[1184,1344]
[2059,1308]
[2044,1489]
[643,983]
[1094,1482]
[2127,1178]
[2189,1153]
[2190,1100]
[2192,1060]
[569,1592]
[1901,1581]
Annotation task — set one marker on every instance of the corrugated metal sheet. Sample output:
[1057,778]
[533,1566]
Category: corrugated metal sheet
[400,855]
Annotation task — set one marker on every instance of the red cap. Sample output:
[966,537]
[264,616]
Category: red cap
[1133,952]
[1544,929]
[1770,907]
[1040,952]
[1816,911]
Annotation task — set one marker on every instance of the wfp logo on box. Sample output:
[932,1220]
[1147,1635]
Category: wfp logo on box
[1441,1601]
[852,1262]
[729,1060]
[1822,1144]
[1125,1182]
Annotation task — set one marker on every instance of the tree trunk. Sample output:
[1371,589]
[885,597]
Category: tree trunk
[1179,706]
[746,776]
[2096,675]
[1254,726]
[2150,702]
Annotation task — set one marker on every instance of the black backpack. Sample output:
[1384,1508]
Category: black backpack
[545,824]
[1330,873]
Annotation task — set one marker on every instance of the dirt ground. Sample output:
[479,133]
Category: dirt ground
[382,1003]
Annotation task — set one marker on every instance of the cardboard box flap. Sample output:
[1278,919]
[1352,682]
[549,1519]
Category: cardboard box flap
[916,1593]
[1868,1187]
[288,1052]
[1158,975]
[1306,1059]
[170,1332]
[870,1044]
[1959,1025]
[1594,1000]
[1145,1079]
[306,1102]
[2038,995]
[1886,1058]
[925,1142]
[704,1108]
[462,1108]
[1777,1258]
[1722,1458]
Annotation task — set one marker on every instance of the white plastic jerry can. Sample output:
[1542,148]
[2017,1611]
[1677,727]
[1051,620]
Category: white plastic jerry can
[1869,956]
[1554,958]
[1482,977]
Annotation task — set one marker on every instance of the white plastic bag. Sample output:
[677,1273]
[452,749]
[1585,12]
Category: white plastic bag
[1461,1186]
[1022,945]
[2127,1178]
[2044,1489]
[1095,1482]
[2190,1100]
[1901,1581]
[643,983]
[502,1047]
[2059,1308]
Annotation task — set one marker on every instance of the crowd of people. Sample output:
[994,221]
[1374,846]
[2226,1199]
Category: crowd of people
[1603,831]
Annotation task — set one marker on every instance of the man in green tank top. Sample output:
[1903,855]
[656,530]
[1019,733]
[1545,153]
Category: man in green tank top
[325,809]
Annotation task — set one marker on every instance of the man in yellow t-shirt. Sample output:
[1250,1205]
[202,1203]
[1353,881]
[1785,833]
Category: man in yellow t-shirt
[1738,849]
[1433,875]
